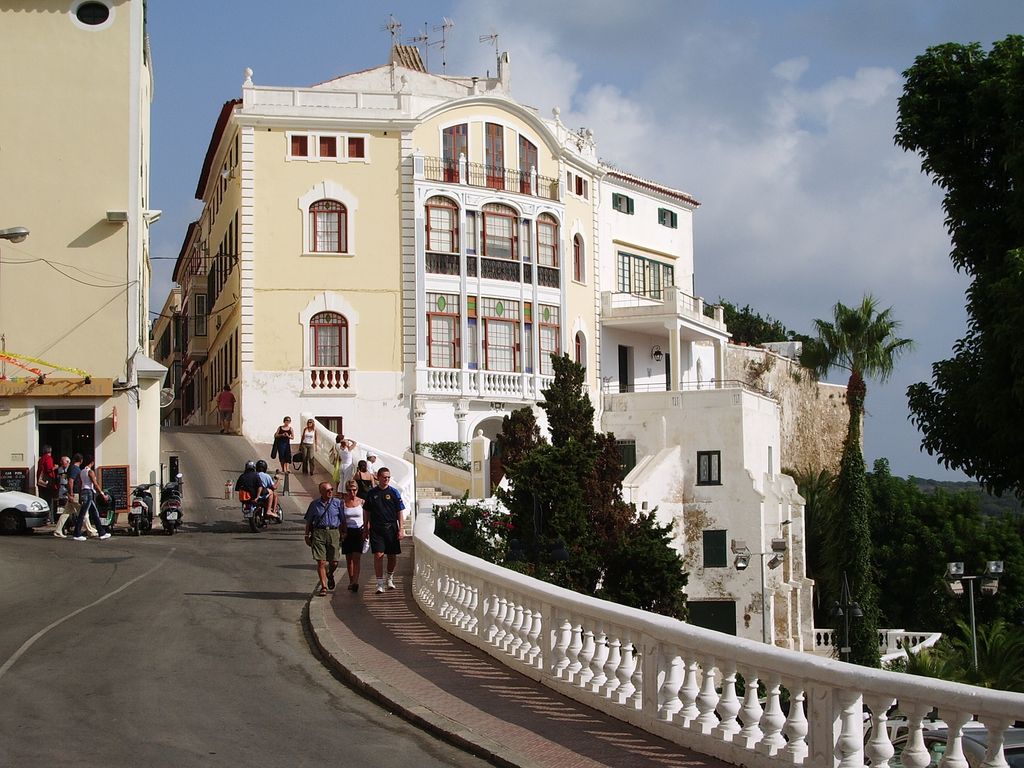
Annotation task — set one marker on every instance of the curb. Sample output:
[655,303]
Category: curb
[422,716]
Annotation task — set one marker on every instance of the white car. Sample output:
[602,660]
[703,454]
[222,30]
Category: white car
[19,511]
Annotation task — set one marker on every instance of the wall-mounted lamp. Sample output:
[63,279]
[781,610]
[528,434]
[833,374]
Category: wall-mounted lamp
[14,234]
[656,354]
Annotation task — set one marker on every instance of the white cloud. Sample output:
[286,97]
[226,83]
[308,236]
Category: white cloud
[791,70]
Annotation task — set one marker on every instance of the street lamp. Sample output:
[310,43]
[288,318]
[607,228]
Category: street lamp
[955,578]
[848,609]
[14,234]
[742,561]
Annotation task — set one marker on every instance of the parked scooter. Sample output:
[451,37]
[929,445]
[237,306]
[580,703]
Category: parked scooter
[140,513]
[171,513]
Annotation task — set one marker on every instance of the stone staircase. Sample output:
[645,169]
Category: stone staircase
[427,493]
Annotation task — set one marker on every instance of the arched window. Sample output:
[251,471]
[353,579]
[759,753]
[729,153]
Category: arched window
[578,261]
[500,225]
[328,336]
[547,240]
[580,349]
[328,227]
[442,225]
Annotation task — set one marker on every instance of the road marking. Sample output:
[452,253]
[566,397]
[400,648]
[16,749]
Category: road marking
[28,643]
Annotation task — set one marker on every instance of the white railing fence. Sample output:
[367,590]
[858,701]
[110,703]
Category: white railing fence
[683,683]
[892,643]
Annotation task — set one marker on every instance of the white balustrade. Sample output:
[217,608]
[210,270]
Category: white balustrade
[681,682]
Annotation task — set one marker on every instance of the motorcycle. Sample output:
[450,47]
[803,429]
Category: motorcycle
[171,514]
[140,513]
[254,512]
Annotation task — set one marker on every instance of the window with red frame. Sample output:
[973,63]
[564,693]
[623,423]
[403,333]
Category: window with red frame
[443,330]
[329,146]
[550,331]
[580,351]
[499,231]
[328,227]
[547,240]
[328,335]
[501,334]
[300,146]
[577,259]
[442,225]
[356,146]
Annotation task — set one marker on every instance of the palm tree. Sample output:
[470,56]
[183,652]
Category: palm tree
[863,341]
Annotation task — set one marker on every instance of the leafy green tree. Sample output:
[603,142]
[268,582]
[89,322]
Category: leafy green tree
[961,111]
[1000,657]
[519,435]
[863,341]
[749,327]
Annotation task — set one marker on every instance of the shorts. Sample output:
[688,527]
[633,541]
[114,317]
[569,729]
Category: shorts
[353,542]
[324,543]
[226,415]
[385,540]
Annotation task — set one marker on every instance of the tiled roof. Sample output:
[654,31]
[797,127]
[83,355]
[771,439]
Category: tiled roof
[637,181]
[407,56]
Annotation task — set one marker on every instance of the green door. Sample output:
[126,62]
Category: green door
[719,615]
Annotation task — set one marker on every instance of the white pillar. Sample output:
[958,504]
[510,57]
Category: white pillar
[480,466]
[677,353]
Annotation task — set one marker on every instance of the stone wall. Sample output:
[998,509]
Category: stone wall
[813,414]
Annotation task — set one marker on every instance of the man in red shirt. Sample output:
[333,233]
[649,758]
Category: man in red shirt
[46,478]
[226,406]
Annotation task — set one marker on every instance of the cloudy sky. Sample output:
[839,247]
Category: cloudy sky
[777,116]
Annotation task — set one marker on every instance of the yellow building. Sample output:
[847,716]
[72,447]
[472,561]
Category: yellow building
[74,159]
[385,247]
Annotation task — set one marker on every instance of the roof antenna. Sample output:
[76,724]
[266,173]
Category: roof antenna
[394,26]
[425,39]
[491,38]
[445,25]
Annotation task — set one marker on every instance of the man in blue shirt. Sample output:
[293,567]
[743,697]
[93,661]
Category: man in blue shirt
[323,517]
[383,508]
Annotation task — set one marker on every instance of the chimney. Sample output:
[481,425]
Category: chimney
[504,72]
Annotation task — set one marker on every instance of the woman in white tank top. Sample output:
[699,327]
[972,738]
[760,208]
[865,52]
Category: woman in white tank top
[356,533]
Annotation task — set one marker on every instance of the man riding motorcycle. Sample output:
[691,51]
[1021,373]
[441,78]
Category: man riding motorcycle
[259,485]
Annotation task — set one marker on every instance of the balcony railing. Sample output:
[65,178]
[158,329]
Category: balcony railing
[484,384]
[680,682]
[328,379]
[490,177]
[492,269]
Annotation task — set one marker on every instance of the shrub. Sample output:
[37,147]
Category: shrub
[448,452]
[474,529]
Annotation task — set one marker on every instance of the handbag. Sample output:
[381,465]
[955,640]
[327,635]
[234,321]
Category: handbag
[273,450]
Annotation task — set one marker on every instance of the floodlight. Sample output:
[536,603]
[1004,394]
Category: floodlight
[954,570]
[737,546]
[989,586]
[776,561]
[956,588]
[741,561]
[994,568]
[779,545]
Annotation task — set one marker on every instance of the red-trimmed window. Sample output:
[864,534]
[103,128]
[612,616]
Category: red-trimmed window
[329,146]
[443,330]
[500,224]
[580,349]
[328,227]
[356,146]
[501,334]
[550,331]
[494,155]
[578,265]
[547,240]
[300,146]
[328,336]
[442,225]
[455,142]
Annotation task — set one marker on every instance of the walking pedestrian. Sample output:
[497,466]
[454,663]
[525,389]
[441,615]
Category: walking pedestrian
[226,406]
[46,478]
[308,446]
[63,495]
[323,516]
[346,463]
[363,477]
[384,509]
[282,449]
[89,486]
[356,533]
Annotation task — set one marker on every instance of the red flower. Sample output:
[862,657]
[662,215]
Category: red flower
[455,523]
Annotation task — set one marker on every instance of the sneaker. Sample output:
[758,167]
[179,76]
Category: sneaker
[104,536]
[380,588]
[391,582]
[330,581]
[78,538]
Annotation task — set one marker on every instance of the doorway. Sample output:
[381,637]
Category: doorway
[67,431]
[719,615]
[625,368]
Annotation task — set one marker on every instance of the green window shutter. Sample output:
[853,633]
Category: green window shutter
[715,552]
[629,205]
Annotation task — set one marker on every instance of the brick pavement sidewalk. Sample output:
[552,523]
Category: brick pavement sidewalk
[388,649]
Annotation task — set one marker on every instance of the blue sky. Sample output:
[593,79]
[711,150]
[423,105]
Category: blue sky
[777,116]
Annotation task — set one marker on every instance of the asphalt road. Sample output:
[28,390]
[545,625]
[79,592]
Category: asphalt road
[181,650]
